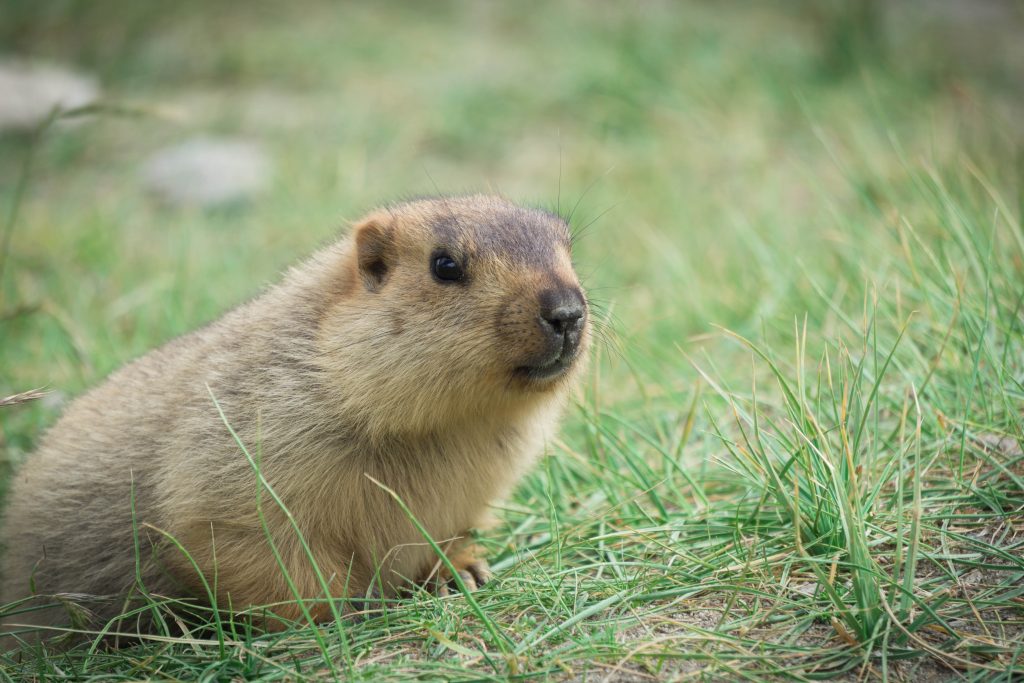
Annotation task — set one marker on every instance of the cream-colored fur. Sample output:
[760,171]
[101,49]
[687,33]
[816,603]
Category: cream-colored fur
[358,363]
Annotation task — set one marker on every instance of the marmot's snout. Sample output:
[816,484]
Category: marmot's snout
[561,322]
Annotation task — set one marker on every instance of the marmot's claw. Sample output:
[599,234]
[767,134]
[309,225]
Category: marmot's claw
[468,579]
[473,571]
[476,574]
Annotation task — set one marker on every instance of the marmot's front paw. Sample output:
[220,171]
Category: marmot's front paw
[472,569]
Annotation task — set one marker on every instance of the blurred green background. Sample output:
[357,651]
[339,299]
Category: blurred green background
[700,142]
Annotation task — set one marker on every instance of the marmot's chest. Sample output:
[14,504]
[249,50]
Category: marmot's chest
[447,482]
[448,488]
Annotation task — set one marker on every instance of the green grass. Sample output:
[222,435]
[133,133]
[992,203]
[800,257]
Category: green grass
[799,456]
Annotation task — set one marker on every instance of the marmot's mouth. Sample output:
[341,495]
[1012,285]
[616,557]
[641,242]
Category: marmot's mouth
[550,367]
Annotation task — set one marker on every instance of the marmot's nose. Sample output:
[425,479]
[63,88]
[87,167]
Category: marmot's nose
[562,311]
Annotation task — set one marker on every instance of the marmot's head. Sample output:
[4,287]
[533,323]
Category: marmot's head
[455,308]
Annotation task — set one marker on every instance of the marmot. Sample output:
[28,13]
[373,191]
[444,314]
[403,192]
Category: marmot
[431,351]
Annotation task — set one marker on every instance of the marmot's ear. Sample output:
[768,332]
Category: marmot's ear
[375,252]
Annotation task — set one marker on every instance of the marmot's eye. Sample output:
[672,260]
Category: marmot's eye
[446,268]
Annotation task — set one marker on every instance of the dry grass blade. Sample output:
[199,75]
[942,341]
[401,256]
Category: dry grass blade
[23,397]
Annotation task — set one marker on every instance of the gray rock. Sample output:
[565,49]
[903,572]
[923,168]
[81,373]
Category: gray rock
[30,91]
[206,172]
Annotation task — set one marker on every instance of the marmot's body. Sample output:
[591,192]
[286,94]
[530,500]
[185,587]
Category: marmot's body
[431,350]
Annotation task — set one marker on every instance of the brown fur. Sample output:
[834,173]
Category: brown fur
[358,363]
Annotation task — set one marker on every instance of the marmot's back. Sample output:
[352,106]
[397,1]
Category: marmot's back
[74,497]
